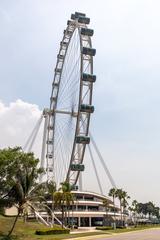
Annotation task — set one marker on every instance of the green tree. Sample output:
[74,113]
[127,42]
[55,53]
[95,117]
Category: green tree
[157,212]
[134,210]
[112,193]
[19,180]
[123,197]
[63,199]
[150,208]
[106,204]
[119,195]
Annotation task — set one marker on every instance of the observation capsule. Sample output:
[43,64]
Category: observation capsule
[79,14]
[88,77]
[77,167]
[86,108]
[84,20]
[89,51]
[87,31]
[82,139]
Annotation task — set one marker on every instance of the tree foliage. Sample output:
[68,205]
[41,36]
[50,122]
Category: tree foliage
[63,199]
[18,179]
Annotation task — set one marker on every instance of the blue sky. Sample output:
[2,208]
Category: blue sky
[126,122]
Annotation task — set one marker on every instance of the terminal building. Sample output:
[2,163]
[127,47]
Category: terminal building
[88,210]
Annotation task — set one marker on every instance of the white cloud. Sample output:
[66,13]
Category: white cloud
[17,120]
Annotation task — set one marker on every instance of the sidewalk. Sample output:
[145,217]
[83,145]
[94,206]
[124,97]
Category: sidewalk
[84,230]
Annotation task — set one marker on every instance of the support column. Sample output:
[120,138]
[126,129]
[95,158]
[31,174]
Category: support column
[80,181]
[79,221]
[90,222]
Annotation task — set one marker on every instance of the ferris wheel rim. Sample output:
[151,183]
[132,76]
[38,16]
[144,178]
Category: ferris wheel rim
[52,116]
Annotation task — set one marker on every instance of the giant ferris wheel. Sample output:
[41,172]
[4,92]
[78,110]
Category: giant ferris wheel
[68,117]
[66,126]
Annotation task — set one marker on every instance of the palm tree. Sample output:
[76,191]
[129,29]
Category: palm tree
[125,204]
[106,204]
[112,193]
[51,189]
[59,203]
[63,198]
[24,192]
[119,195]
[134,209]
[122,196]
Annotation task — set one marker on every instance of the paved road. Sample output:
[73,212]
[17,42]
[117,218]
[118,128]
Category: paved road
[151,234]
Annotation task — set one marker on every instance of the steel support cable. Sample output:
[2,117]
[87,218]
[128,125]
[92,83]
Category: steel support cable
[103,162]
[32,133]
[95,169]
[35,134]
[67,98]
[62,152]
[67,72]
[67,88]
[62,91]
[56,152]
[72,87]
[60,136]
[70,48]
[69,104]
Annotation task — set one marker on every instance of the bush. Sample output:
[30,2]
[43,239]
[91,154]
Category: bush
[121,227]
[104,228]
[2,211]
[50,231]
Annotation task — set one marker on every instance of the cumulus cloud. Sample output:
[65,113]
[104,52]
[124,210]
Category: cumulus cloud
[17,120]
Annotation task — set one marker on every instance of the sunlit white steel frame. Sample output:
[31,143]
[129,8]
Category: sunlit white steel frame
[85,96]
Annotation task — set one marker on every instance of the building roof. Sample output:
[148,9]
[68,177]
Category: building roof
[102,197]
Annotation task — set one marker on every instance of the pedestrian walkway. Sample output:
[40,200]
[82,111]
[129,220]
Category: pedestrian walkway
[84,230]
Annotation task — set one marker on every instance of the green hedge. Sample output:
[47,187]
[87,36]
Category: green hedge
[104,228]
[121,227]
[50,231]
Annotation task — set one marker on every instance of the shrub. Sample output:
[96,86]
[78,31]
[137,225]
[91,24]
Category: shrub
[50,231]
[2,211]
[121,227]
[104,228]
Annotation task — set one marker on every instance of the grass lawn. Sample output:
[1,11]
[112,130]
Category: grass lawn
[26,231]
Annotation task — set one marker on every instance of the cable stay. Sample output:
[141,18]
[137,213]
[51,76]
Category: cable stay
[102,161]
[30,142]
[95,169]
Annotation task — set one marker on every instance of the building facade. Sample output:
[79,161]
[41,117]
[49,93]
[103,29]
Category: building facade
[88,210]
